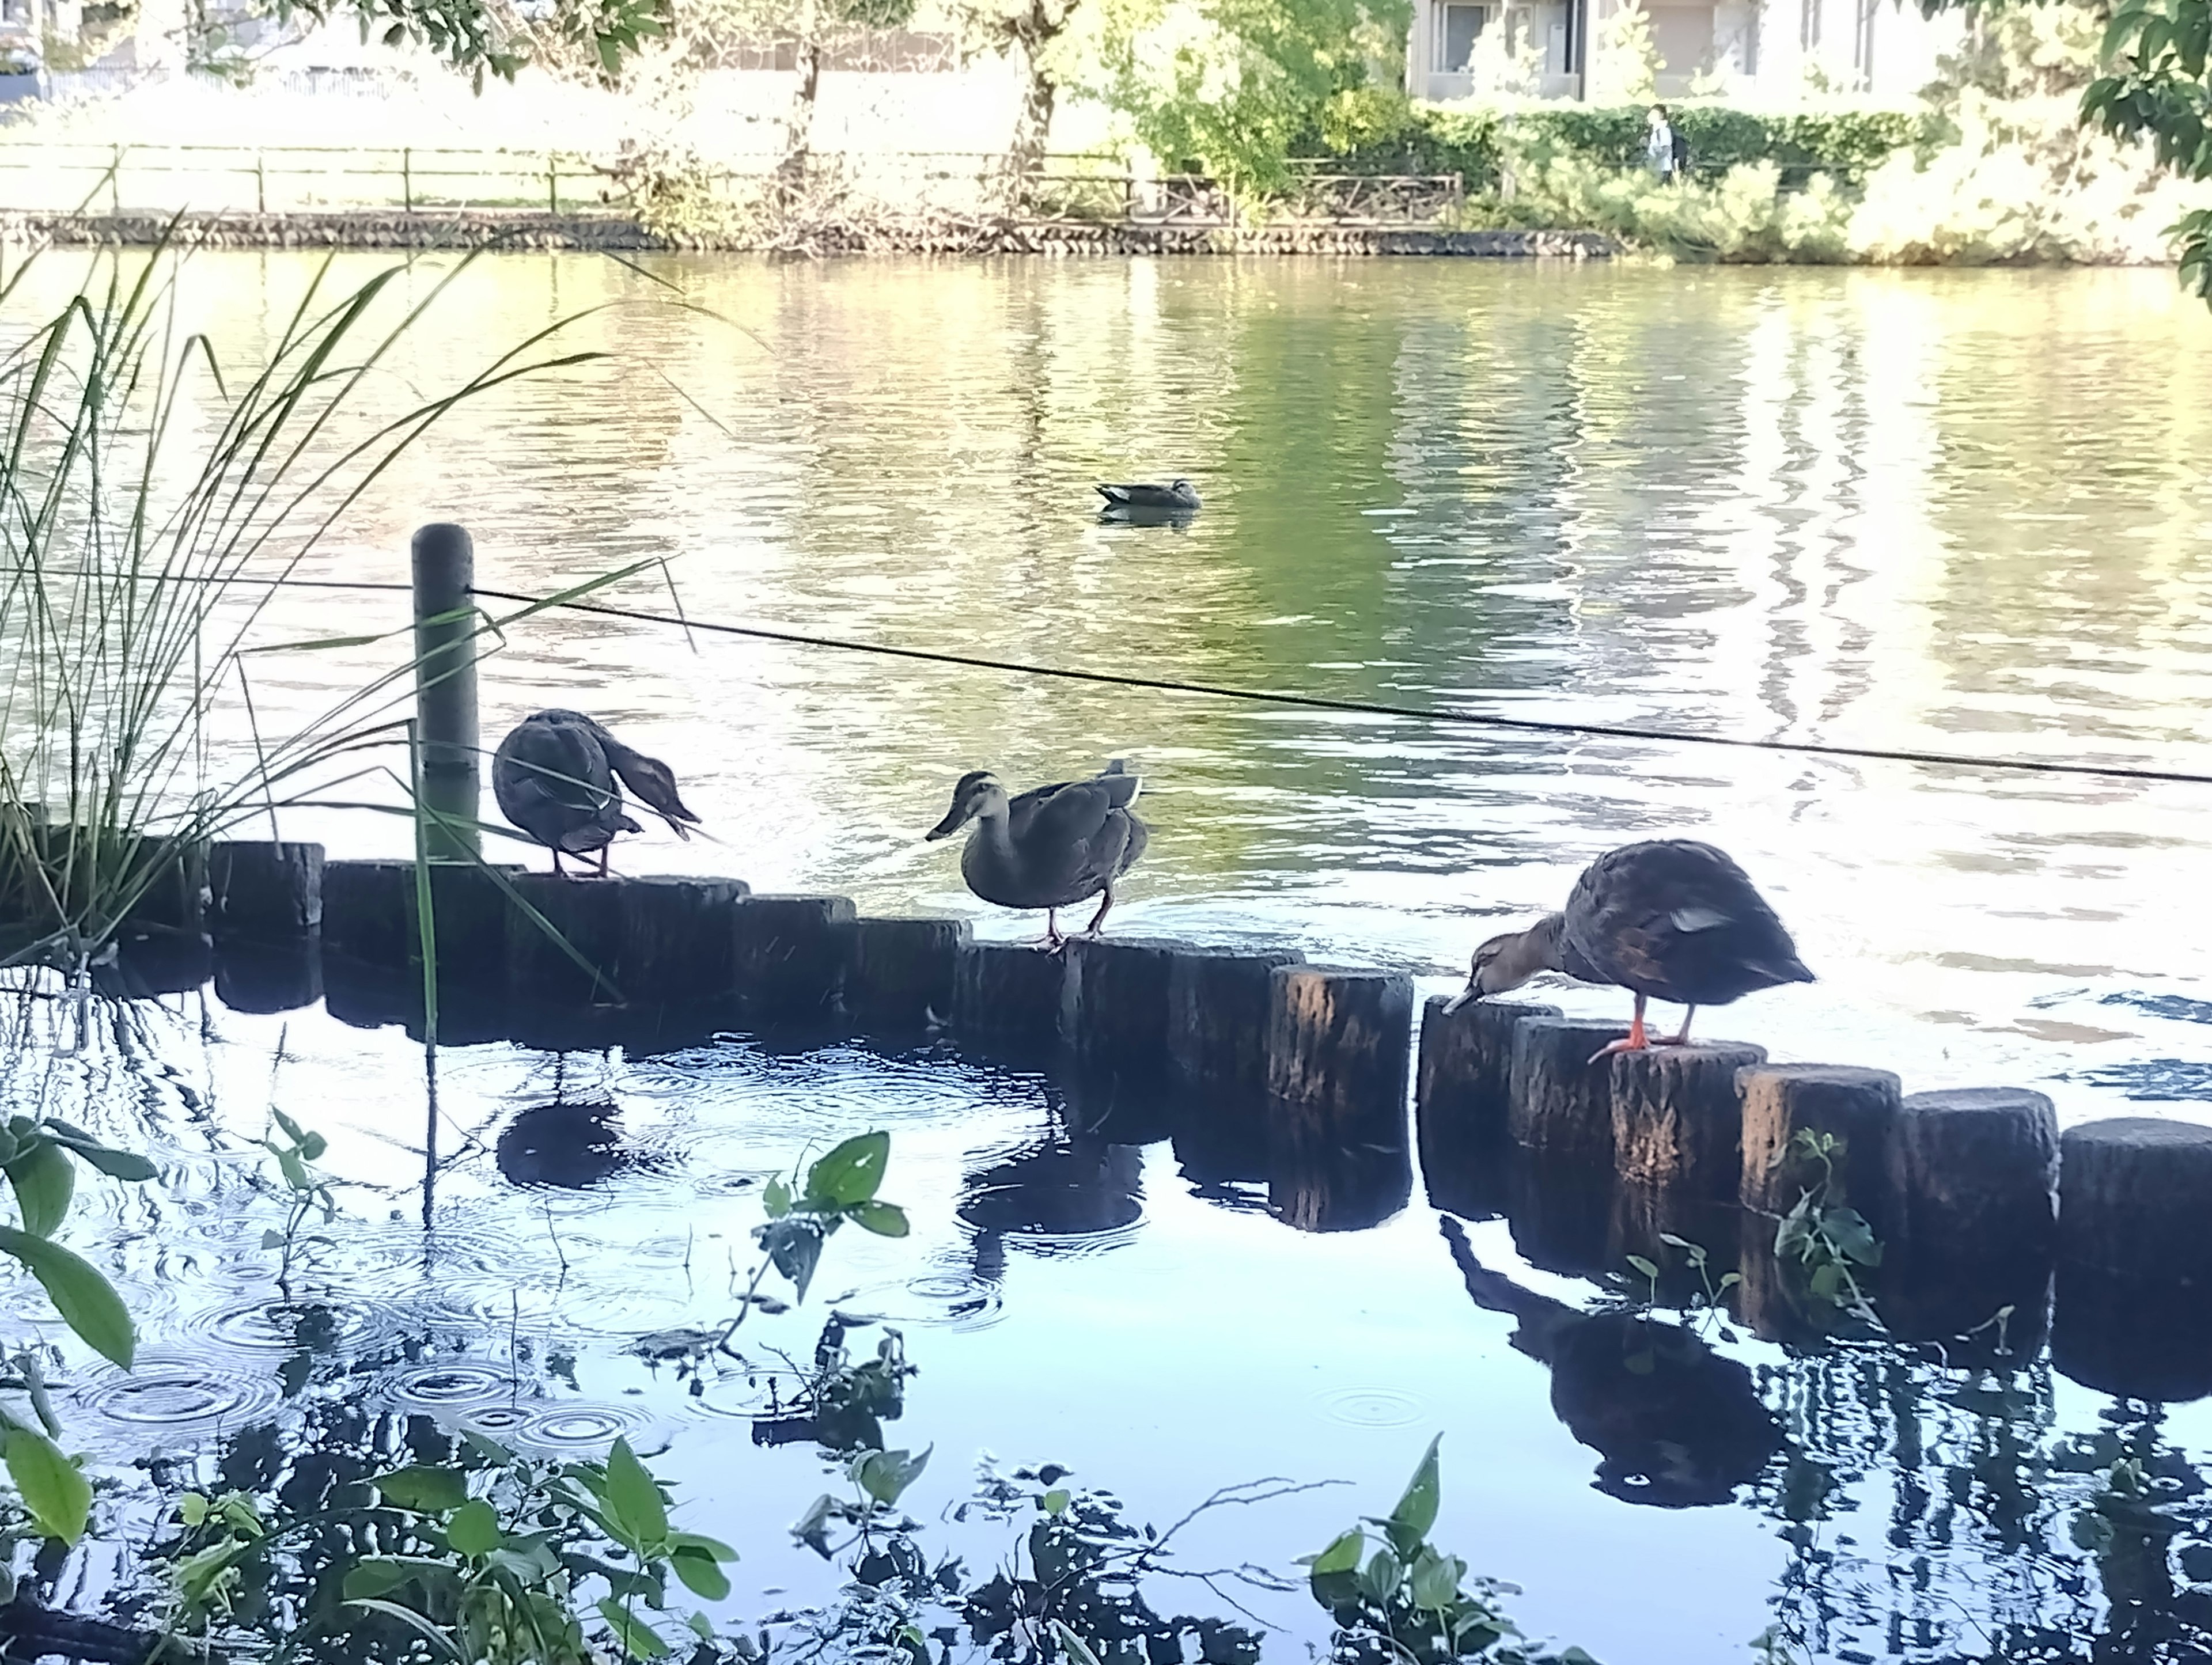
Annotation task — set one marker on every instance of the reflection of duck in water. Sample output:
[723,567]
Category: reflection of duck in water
[1077,1189]
[1674,1424]
[571,1146]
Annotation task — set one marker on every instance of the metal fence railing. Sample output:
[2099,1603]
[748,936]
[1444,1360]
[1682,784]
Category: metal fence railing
[42,177]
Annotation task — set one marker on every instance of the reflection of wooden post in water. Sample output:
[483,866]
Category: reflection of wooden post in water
[2133,1310]
[444,563]
[1560,1208]
[1462,1103]
[1338,1044]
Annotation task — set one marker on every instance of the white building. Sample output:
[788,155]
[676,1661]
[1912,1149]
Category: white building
[1772,50]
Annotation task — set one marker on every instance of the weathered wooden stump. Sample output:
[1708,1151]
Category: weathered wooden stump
[2133,1313]
[1114,1003]
[677,945]
[586,913]
[899,973]
[1677,1119]
[369,916]
[1340,1041]
[251,974]
[1217,1006]
[268,892]
[789,955]
[1461,1101]
[1006,994]
[1558,1100]
[1857,1106]
[1559,1209]
[1971,1211]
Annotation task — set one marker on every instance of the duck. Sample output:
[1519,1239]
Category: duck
[554,777]
[1178,495]
[1050,848]
[1670,919]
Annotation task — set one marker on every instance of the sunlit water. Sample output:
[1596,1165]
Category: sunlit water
[1956,513]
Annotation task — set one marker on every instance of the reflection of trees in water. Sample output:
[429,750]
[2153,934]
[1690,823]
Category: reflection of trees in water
[1940,1516]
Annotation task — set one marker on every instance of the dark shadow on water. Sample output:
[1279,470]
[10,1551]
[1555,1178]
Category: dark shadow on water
[571,1147]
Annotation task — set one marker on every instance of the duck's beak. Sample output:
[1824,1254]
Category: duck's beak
[1465,997]
[955,819]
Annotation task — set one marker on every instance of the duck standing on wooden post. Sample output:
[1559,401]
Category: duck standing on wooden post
[1051,847]
[1673,919]
[554,778]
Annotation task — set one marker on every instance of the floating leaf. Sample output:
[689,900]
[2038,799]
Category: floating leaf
[850,1173]
[53,1488]
[86,1301]
[422,1488]
[44,1180]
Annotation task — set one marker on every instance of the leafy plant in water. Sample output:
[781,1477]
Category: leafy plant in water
[309,1190]
[1705,1300]
[1395,1596]
[1826,1242]
[839,1187]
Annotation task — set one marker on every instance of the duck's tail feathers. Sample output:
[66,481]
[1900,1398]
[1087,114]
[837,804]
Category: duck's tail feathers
[1121,786]
[1789,970]
[1113,494]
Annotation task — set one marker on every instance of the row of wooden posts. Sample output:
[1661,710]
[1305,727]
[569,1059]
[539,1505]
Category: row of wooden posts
[1974,1194]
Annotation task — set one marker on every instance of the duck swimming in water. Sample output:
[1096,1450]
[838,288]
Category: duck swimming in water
[1673,919]
[1179,496]
[1050,848]
[555,774]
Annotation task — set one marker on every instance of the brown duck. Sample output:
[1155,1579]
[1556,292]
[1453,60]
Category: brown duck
[1673,919]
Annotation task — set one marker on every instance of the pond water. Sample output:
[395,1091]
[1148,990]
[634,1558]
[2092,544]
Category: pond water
[1957,512]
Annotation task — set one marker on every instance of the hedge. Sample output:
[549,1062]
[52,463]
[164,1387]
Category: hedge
[1458,139]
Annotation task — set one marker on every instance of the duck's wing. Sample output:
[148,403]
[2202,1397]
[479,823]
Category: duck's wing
[1675,909]
[652,781]
[550,777]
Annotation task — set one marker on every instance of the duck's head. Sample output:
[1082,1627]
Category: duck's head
[1507,962]
[978,794]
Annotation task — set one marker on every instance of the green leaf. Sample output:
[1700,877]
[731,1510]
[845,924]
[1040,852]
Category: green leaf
[1078,1651]
[1417,1510]
[415,1621]
[116,1164]
[702,1574]
[45,1180]
[885,1219]
[295,1171]
[192,1509]
[1436,1580]
[1378,1579]
[424,1489]
[53,1488]
[794,1249]
[885,1475]
[86,1301]
[704,1544]
[312,1147]
[850,1173]
[635,1639]
[776,1199]
[1644,1266]
[474,1529]
[376,1576]
[633,1503]
[1055,1500]
[1342,1555]
[292,1129]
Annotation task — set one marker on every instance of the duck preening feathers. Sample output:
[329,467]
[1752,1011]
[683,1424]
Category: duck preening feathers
[554,777]
[1673,919]
[1050,848]
[1176,495]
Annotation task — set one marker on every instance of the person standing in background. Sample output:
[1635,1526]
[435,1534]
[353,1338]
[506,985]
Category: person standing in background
[1659,144]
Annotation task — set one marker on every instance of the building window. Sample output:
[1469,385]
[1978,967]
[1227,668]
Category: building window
[1456,39]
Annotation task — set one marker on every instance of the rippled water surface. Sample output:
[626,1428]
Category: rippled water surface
[1955,512]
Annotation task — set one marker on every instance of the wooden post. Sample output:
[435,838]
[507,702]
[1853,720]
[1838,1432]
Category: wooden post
[788,956]
[899,972]
[1460,1100]
[1217,1006]
[2133,1311]
[115,184]
[1338,1043]
[677,940]
[407,179]
[446,687]
[1677,1119]
[1559,1099]
[552,184]
[588,915]
[1780,1100]
[1114,1003]
[260,185]
[271,891]
[1008,993]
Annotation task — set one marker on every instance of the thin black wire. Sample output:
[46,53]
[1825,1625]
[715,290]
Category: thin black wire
[1369,708]
[1255,695]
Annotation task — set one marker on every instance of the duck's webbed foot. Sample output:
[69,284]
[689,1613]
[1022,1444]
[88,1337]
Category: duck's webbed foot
[1054,939]
[1636,1040]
